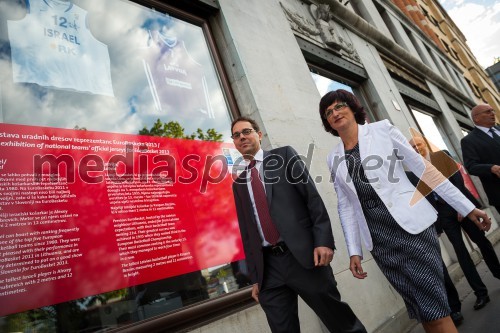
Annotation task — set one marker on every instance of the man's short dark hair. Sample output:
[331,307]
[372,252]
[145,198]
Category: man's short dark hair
[243,118]
[341,95]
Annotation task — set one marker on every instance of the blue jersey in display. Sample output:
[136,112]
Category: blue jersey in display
[53,47]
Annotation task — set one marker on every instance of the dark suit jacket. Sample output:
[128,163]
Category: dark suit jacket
[295,206]
[480,153]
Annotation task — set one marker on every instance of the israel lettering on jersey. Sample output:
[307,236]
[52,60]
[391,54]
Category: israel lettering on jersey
[53,47]
[176,81]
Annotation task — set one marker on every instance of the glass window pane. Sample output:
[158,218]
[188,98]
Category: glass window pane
[106,66]
[436,138]
[430,130]
[113,67]
[325,84]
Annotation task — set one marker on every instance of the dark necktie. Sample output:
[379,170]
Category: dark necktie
[495,136]
[271,234]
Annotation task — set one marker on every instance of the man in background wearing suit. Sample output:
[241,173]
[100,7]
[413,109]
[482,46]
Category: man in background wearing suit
[481,152]
[451,222]
[287,236]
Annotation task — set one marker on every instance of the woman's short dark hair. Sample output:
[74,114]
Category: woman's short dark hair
[250,120]
[341,95]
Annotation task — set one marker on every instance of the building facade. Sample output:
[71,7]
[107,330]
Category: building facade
[104,86]
[442,30]
[494,73]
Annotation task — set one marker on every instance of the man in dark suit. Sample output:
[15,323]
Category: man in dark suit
[451,222]
[481,152]
[287,236]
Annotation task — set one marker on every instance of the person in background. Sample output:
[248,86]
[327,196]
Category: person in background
[287,236]
[481,152]
[376,207]
[452,223]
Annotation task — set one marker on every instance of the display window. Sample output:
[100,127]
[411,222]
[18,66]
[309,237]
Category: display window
[115,166]
[432,130]
[325,81]
[325,84]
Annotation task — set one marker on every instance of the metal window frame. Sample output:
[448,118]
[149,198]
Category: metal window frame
[198,12]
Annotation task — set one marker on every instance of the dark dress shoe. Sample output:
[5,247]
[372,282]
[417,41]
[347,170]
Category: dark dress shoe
[481,302]
[457,318]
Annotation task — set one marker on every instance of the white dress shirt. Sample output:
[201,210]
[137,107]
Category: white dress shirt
[487,130]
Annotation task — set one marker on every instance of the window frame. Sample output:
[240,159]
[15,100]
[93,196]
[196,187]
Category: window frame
[355,86]
[199,14]
[196,12]
[437,120]
[196,315]
[204,312]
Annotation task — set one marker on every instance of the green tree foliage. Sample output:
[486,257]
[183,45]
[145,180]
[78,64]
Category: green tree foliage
[39,320]
[173,129]
[68,315]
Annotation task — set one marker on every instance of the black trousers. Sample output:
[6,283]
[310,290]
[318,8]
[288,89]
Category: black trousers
[285,279]
[452,228]
[483,243]
[497,207]
[451,292]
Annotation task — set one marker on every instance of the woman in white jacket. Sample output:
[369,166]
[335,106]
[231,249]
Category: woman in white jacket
[379,207]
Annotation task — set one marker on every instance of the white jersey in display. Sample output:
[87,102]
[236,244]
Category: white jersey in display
[177,83]
[53,47]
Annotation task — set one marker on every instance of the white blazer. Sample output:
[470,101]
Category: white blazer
[384,150]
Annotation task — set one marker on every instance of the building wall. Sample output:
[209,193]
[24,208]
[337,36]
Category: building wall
[494,73]
[457,50]
[272,83]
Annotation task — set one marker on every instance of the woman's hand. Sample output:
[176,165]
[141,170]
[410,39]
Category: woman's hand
[356,269]
[482,221]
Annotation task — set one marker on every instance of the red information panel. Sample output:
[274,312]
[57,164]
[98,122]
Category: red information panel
[82,213]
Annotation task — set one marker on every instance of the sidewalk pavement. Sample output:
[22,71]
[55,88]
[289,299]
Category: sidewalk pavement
[485,320]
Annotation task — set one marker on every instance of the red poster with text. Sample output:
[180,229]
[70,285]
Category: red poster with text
[82,212]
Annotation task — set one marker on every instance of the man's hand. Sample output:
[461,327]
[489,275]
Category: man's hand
[459,217]
[482,221]
[255,292]
[496,170]
[356,269]
[322,256]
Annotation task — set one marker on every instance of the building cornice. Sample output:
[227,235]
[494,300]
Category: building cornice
[389,48]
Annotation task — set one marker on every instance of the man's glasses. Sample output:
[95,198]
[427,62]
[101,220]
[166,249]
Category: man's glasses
[245,132]
[337,107]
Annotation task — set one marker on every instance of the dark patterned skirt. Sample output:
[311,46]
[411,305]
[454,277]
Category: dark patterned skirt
[411,263]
